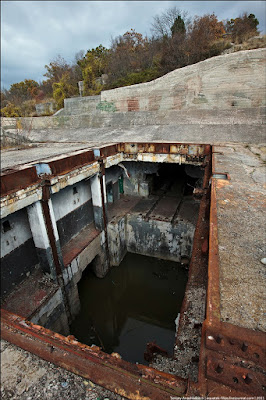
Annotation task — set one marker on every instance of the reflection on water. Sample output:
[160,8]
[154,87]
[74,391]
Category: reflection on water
[134,304]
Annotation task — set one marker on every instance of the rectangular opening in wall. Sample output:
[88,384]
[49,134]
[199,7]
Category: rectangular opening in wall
[6,226]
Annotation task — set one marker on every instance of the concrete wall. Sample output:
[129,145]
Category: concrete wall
[117,240]
[159,239]
[72,209]
[18,253]
[136,184]
[45,108]
[81,105]
[112,176]
[52,315]
[151,238]
[228,81]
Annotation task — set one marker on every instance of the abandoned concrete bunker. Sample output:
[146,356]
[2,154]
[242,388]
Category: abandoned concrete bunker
[133,240]
[142,199]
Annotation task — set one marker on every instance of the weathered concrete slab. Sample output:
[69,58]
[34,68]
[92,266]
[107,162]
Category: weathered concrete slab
[166,208]
[207,134]
[25,376]
[241,235]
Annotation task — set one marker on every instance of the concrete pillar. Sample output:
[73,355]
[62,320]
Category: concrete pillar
[98,192]
[40,238]
[97,203]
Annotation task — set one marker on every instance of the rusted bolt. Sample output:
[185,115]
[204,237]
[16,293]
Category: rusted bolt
[219,339]
[256,355]
[232,341]
[244,346]
[248,379]
[219,368]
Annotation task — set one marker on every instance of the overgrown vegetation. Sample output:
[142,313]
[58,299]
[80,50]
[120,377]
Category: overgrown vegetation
[132,58]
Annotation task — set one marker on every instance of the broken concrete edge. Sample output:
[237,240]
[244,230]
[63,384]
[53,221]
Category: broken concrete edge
[133,381]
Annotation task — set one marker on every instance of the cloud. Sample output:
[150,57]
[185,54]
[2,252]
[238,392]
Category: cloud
[35,32]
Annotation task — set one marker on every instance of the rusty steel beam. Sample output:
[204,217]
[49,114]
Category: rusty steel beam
[164,148]
[133,381]
[13,180]
[49,226]
[108,151]
[67,164]
[199,261]
[213,313]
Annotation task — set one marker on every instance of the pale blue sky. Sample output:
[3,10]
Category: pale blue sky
[34,32]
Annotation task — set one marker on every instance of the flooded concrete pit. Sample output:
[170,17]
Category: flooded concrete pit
[136,303]
[122,234]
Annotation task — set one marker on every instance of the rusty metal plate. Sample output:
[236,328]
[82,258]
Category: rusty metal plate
[239,378]
[239,342]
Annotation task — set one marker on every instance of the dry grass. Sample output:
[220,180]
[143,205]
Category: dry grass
[256,42]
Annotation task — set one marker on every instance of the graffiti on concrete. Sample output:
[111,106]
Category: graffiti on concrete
[106,106]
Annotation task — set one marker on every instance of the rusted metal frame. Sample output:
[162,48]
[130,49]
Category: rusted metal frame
[129,380]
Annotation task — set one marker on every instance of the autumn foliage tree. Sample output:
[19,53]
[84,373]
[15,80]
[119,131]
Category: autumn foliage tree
[63,89]
[203,33]
[93,65]
[22,91]
[242,28]
[133,58]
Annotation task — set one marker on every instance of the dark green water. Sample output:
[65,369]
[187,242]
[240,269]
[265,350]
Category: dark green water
[134,304]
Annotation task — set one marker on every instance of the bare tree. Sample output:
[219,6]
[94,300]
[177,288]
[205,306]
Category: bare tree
[162,24]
